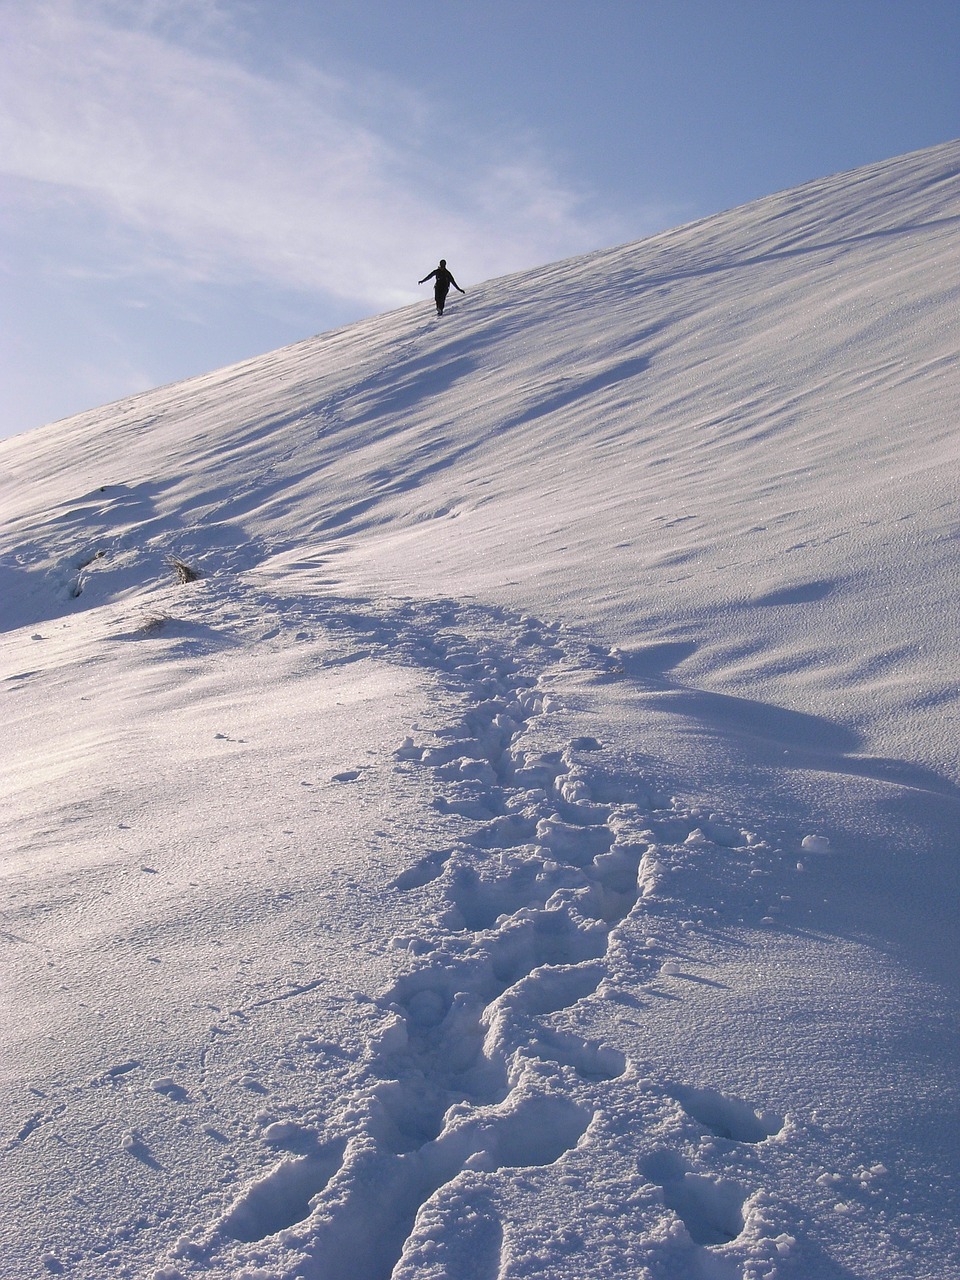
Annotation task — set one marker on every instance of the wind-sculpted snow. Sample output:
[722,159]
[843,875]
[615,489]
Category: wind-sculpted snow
[482,797]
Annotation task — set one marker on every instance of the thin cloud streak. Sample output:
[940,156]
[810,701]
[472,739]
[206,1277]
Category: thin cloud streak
[298,182]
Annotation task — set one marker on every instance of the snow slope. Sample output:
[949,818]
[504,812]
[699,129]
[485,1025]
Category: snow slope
[529,846]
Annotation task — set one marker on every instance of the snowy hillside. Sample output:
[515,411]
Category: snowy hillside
[482,794]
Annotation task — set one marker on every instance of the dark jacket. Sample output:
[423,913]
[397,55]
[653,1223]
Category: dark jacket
[444,279]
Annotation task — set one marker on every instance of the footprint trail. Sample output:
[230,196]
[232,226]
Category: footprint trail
[469,1073]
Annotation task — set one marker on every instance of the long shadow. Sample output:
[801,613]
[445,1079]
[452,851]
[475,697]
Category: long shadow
[804,741]
[718,267]
[441,460]
[577,390]
[896,878]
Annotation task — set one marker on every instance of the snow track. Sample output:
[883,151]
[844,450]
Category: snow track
[474,1071]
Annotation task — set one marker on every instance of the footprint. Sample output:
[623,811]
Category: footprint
[370,1208]
[457,1233]
[439,1026]
[505,832]
[537,770]
[590,1060]
[554,987]
[573,844]
[711,1209]
[537,1131]
[727,1117]
[553,936]
[469,801]
[407,1113]
[422,872]
[481,901]
[283,1197]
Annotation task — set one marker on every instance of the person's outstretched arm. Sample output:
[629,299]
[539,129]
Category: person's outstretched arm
[426,278]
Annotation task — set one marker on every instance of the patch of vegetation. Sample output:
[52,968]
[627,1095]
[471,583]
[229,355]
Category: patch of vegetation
[185,572]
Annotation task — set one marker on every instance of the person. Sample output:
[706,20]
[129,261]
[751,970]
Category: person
[443,279]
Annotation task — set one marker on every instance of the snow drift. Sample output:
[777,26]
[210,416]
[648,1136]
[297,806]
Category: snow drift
[481,793]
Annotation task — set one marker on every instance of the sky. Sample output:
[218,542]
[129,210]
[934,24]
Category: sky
[187,183]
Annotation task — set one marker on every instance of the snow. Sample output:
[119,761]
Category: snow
[481,793]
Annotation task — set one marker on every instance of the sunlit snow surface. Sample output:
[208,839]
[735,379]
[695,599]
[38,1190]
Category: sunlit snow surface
[528,847]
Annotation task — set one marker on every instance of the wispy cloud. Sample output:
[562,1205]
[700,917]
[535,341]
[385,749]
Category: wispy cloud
[303,178]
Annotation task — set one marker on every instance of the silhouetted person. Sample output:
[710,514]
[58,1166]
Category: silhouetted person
[443,279]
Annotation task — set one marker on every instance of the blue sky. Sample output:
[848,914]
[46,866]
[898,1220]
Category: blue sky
[184,183]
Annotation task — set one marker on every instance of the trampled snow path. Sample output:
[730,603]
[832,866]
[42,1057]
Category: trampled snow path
[565,887]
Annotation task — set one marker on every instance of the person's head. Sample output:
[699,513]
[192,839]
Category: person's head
[443,262]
